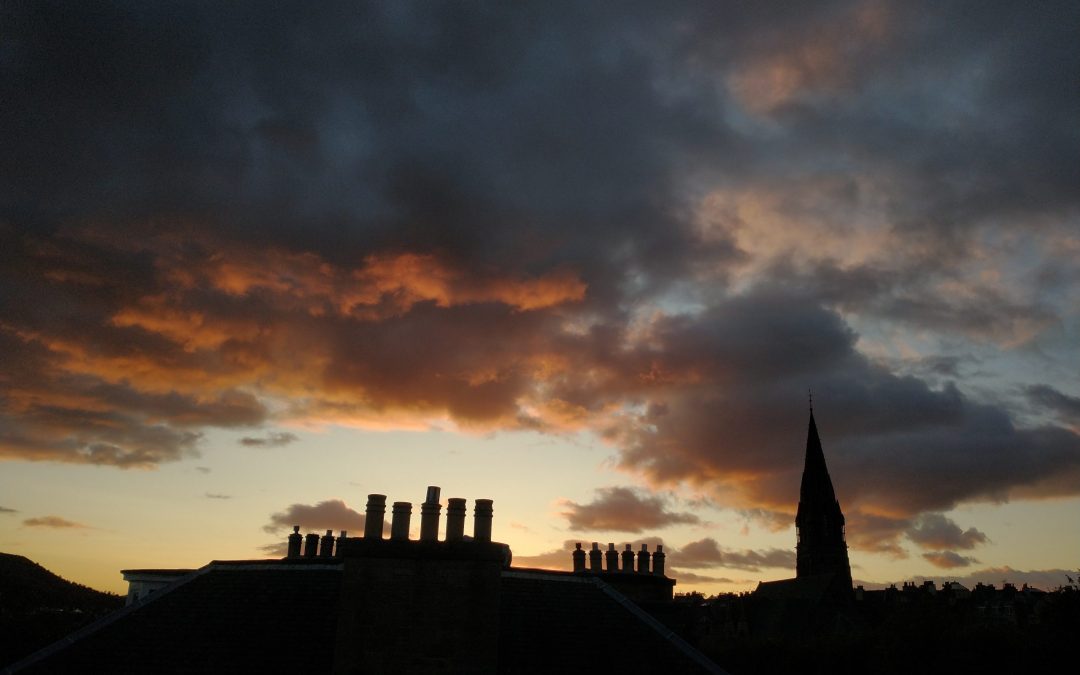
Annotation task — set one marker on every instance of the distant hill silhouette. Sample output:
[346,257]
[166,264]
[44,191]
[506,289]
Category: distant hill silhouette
[38,607]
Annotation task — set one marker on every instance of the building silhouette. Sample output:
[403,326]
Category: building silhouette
[822,569]
[377,604]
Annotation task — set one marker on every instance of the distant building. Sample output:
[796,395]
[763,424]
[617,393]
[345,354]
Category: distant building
[375,605]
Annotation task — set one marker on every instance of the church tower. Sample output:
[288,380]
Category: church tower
[819,524]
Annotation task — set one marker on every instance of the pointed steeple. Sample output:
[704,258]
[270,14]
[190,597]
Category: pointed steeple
[816,485]
[821,547]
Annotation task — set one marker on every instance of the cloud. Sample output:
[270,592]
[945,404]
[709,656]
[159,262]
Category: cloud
[203,469]
[6,511]
[948,559]
[936,531]
[332,514]
[640,225]
[212,495]
[622,509]
[54,522]
[275,439]
[707,553]
[1058,402]
[686,577]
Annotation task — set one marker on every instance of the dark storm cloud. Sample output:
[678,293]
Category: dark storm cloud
[622,509]
[275,439]
[528,218]
[934,530]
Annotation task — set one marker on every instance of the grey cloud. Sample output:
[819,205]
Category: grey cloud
[54,522]
[215,495]
[622,509]
[1054,400]
[6,511]
[707,553]
[274,439]
[936,531]
[948,559]
[332,514]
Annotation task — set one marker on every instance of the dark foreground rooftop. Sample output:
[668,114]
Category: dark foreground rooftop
[283,616]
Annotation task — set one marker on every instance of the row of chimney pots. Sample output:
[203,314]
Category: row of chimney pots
[597,559]
[311,545]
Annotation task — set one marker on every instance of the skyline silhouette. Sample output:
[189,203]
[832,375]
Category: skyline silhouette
[259,263]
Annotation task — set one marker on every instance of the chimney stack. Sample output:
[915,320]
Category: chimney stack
[595,558]
[429,515]
[611,558]
[455,519]
[340,539]
[327,550]
[643,559]
[658,561]
[376,515]
[295,542]
[628,559]
[579,559]
[399,526]
[311,545]
[482,513]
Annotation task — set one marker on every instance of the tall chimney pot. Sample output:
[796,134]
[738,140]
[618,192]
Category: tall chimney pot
[482,514]
[628,559]
[429,515]
[455,519]
[399,525]
[376,516]
[311,545]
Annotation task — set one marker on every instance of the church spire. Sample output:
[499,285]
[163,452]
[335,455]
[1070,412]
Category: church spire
[821,547]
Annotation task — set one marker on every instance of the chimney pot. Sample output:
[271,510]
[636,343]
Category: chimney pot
[658,561]
[611,558]
[376,516]
[399,525]
[628,559]
[311,545]
[429,515]
[482,514]
[327,549]
[455,519]
[579,559]
[595,558]
[296,542]
[643,559]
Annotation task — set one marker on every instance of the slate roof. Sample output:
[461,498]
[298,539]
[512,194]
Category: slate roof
[566,623]
[281,616]
[260,617]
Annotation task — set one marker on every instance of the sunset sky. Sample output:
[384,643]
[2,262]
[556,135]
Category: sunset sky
[583,259]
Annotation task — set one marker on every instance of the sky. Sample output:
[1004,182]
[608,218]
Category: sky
[586,260]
